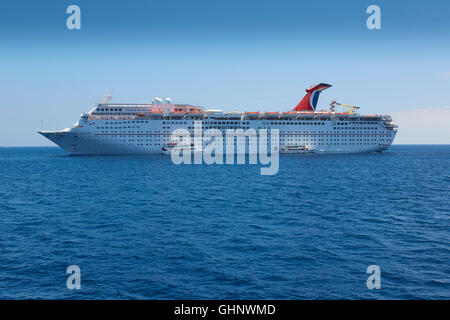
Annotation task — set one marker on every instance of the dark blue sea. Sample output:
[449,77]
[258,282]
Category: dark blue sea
[140,227]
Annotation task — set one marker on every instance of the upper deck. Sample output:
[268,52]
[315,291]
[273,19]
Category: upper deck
[131,111]
[105,109]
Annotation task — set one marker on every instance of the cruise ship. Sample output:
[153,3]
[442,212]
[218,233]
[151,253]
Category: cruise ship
[129,128]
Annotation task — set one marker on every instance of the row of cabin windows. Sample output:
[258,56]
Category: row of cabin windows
[109,109]
[209,122]
[246,122]
[356,122]
[355,128]
[311,123]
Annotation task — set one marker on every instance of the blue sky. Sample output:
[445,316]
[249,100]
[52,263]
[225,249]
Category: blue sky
[244,55]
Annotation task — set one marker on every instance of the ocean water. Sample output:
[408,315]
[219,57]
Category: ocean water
[144,228]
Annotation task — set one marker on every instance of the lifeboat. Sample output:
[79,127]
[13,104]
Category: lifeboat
[177,113]
[252,114]
[271,115]
[233,115]
[156,113]
[323,114]
[196,113]
[289,114]
[306,115]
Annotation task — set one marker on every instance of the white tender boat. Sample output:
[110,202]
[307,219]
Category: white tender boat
[296,149]
[181,147]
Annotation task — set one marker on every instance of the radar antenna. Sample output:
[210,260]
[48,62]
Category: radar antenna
[107,97]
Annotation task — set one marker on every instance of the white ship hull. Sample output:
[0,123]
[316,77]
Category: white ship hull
[148,139]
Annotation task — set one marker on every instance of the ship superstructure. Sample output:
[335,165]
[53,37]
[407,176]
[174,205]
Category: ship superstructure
[128,128]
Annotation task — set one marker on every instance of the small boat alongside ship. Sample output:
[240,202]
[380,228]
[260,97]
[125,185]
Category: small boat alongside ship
[179,146]
[296,149]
